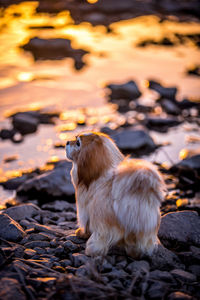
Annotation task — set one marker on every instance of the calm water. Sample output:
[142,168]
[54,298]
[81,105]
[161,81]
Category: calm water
[56,85]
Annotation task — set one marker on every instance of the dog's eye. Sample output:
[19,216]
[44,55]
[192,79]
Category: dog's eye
[78,143]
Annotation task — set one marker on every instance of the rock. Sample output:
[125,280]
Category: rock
[195,269]
[10,289]
[186,104]
[161,124]
[54,49]
[183,275]
[58,205]
[7,134]
[40,244]
[141,267]
[128,91]
[65,263]
[22,211]
[70,247]
[194,70]
[169,93]
[79,259]
[50,185]
[164,259]
[157,290]
[179,296]
[75,239]
[180,229]
[28,253]
[137,142]
[161,276]
[9,229]
[25,124]
[14,183]
[170,107]
[188,172]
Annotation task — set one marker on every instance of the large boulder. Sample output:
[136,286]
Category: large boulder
[136,142]
[55,184]
[9,229]
[180,229]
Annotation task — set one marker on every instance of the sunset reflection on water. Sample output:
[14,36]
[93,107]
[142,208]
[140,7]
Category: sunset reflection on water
[80,96]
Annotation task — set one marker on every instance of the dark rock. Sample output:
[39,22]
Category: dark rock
[82,271]
[169,93]
[195,70]
[9,229]
[79,259]
[70,247]
[195,269]
[25,124]
[75,239]
[28,253]
[188,172]
[186,104]
[58,205]
[180,229]
[128,91]
[161,276]
[7,134]
[157,290]
[117,284]
[39,250]
[164,259]
[170,107]
[179,296]
[52,184]
[38,237]
[55,49]
[25,210]
[14,183]
[138,142]
[183,275]
[65,263]
[141,267]
[10,289]
[161,124]
[10,158]
[41,244]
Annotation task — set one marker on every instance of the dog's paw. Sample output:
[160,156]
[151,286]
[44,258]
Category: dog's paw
[95,249]
[81,233]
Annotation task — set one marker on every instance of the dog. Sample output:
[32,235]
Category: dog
[118,199]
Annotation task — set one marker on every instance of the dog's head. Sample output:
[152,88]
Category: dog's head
[93,153]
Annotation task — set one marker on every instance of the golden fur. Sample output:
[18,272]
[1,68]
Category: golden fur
[117,199]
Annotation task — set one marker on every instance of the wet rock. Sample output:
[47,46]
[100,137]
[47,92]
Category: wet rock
[183,275]
[50,185]
[22,211]
[180,229]
[14,183]
[128,91]
[140,266]
[25,124]
[188,172]
[170,107]
[164,259]
[138,142]
[165,92]
[10,289]
[179,296]
[161,124]
[9,229]
[195,70]
[55,49]
[7,134]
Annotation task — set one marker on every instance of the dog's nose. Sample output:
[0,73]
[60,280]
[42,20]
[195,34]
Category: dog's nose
[67,142]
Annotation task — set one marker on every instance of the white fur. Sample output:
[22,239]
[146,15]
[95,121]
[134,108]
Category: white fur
[121,206]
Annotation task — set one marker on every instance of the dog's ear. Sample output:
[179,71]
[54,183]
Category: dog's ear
[93,161]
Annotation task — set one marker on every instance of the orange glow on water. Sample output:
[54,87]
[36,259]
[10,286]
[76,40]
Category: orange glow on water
[92,1]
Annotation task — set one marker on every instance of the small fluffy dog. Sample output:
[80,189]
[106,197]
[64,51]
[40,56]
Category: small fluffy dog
[118,199]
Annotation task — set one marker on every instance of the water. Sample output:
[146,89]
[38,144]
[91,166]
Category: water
[55,85]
